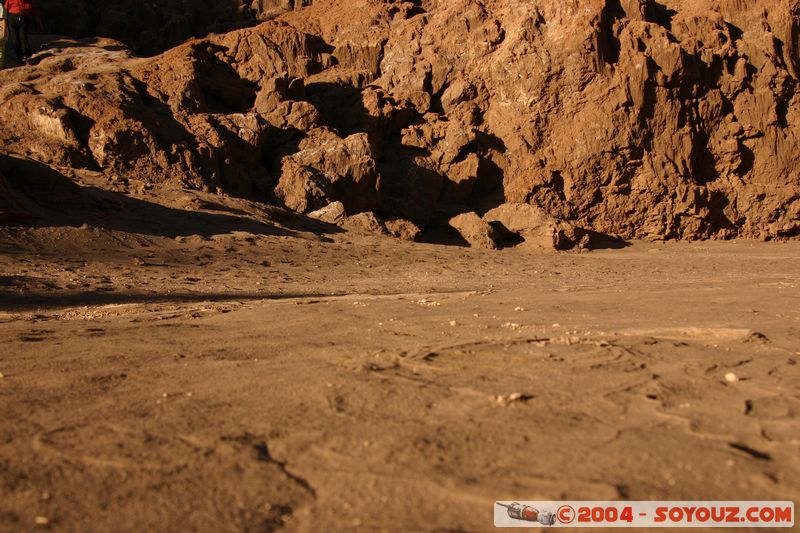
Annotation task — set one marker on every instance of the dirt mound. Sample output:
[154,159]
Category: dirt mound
[633,118]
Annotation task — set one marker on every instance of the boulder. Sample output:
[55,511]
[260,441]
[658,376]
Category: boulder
[477,232]
[327,168]
[333,213]
[537,228]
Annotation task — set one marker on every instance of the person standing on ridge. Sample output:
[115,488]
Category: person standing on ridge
[3,34]
[21,14]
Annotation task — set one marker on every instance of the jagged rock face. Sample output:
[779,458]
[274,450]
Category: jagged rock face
[631,118]
[676,119]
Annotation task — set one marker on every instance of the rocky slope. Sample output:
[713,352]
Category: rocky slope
[633,118]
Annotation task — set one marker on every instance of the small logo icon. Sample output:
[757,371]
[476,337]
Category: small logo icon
[565,514]
[526,513]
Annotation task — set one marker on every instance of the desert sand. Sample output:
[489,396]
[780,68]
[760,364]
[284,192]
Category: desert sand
[261,380]
[374,265]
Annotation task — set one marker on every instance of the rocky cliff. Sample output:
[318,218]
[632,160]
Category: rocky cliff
[641,119]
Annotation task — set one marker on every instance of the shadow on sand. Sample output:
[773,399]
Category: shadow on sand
[40,196]
[47,301]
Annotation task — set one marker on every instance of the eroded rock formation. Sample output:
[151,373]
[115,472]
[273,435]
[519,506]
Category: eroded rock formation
[642,119]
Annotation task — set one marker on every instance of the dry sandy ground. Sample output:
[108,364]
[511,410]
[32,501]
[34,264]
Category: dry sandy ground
[285,380]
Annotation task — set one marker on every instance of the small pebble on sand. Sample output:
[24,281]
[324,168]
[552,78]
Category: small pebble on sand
[41,521]
[509,399]
[730,377]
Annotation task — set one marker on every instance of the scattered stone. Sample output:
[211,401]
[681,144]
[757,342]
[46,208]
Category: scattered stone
[730,377]
[41,521]
[403,229]
[757,337]
[512,398]
[364,223]
[332,213]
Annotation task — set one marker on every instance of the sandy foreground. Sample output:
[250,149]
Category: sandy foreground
[297,381]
